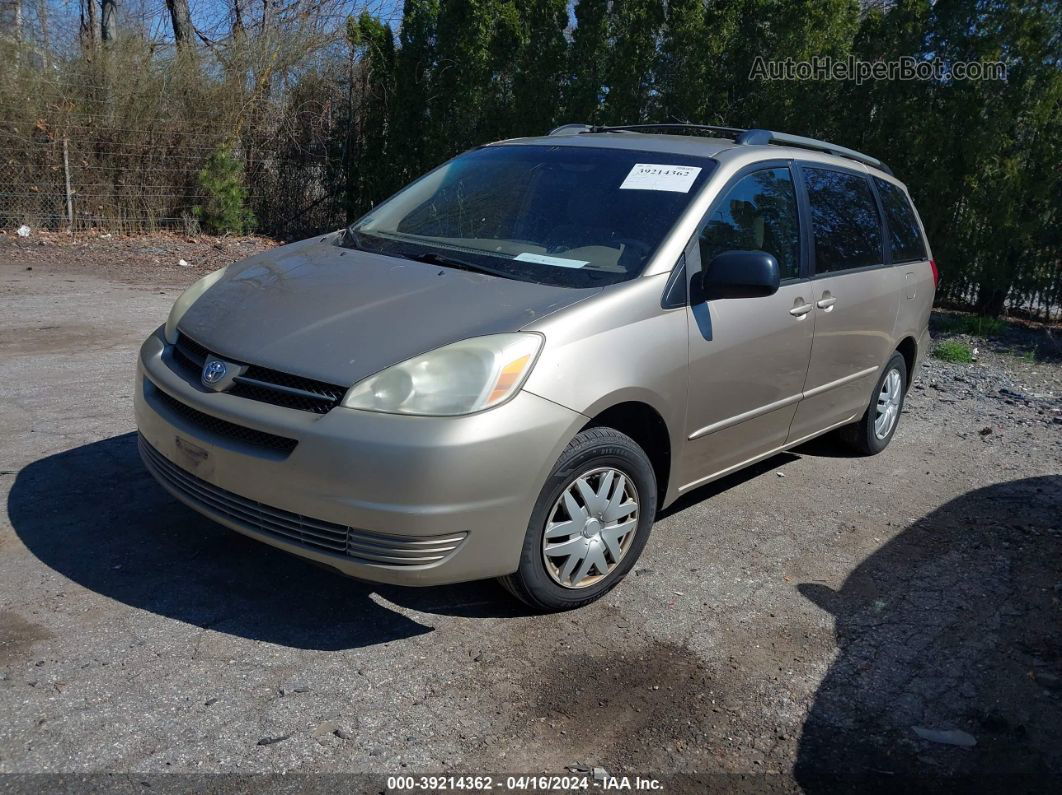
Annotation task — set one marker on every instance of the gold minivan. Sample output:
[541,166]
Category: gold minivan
[510,366]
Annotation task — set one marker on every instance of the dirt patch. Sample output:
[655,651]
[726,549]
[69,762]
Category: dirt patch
[658,706]
[144,259]
[17,636]
[50,338]
[624,710]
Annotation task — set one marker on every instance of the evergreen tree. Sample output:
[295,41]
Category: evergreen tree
[1005,138]
[587,61]
[507,45]
[683,68]
[539,80]
[898,120]
[371,175]
[224,208]
[804,30]
[634,34]
[415,65]
[461,82]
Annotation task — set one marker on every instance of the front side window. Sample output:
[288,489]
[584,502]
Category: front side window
[905,236]
[845,218]
[567,215]
[758,213]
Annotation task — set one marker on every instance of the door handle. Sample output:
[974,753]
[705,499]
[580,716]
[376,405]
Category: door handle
[800,310]
[826,302]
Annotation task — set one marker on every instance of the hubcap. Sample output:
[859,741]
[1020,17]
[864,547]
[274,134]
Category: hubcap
[590,528]
[888,408]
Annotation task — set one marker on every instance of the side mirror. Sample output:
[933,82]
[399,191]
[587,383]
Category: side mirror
[738,274]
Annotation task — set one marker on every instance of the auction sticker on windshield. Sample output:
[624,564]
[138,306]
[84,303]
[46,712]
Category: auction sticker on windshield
[542,259]
[652,176]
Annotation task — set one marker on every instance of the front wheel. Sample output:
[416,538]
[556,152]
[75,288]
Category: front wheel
[590,523]
[875,430]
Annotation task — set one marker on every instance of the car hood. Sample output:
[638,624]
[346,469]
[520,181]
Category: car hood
[338,315]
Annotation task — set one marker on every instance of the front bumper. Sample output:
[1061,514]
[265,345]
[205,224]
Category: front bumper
[387,498]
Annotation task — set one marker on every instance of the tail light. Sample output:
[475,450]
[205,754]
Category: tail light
[936,272]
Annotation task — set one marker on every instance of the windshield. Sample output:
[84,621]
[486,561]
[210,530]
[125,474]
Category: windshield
[564,215]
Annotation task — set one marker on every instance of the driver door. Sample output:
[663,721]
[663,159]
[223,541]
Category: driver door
[748,356]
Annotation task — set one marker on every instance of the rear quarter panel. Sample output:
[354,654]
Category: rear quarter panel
[916,303]
[919,292]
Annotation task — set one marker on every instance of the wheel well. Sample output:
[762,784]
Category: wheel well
[644,425]
[908,348]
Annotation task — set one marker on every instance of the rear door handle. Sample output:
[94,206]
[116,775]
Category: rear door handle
[826,303]
[800,310]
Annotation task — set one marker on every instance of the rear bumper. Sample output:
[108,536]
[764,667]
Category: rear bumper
[386,498]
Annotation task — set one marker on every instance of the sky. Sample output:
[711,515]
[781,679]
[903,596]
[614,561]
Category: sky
[211,17]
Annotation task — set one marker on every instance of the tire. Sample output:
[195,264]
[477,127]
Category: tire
[863,436]
[540,581]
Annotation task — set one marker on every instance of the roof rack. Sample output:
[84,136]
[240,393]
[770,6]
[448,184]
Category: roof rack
[725,132]
[743,137]
[763,137]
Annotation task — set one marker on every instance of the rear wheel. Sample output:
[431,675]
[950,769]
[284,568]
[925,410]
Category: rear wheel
[589,525]
[875,430]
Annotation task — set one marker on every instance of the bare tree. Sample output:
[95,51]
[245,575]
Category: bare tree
[181,17]
[237,18]
[108,23]
[88,30]
[18,20]
[16,29]
[42,20]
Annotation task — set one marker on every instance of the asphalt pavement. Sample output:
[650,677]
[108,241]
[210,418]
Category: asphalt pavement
[792,621]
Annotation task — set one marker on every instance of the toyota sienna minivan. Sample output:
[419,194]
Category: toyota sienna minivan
[506,369]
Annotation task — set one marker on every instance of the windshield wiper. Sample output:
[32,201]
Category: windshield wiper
[447,261]
[348,238]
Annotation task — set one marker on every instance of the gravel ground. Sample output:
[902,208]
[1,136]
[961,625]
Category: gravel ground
[800,619]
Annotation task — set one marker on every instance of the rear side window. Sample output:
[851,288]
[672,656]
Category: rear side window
[757,213]
[845,219]
[905,236]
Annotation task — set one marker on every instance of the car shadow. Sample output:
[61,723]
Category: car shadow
[829,445]
[952,626]
[716,487]
[96,516]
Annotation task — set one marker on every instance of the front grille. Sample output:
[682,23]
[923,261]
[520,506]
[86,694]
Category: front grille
[191,354]
[262,383]
[223,428]
[284,389]
[358,545]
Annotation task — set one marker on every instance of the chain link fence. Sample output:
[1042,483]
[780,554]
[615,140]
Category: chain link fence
[74,181]
[128,138]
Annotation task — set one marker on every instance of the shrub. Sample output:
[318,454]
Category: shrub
[224,210]
[974,325]
[951,351]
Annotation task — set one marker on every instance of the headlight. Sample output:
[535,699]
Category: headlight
[461,378]
[189,297]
